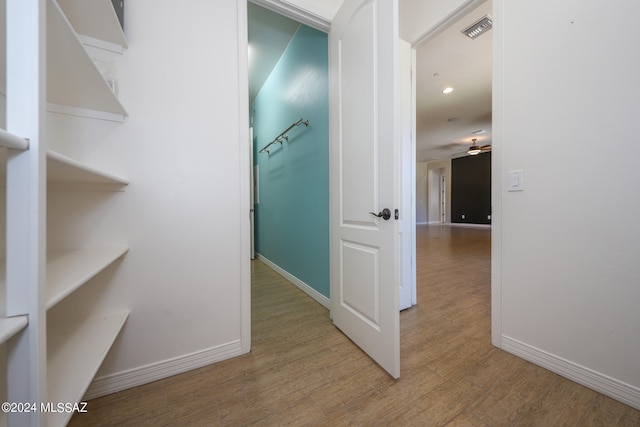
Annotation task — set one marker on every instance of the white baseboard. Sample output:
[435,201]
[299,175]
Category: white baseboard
[463,224]
[156,371]
[317,296]
[608,386]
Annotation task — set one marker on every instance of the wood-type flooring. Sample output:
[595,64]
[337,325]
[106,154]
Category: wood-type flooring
[303,371]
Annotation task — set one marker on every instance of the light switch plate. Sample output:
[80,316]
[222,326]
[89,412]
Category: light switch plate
[515,180]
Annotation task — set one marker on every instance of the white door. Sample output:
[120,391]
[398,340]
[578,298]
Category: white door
[407,193]
[364,173]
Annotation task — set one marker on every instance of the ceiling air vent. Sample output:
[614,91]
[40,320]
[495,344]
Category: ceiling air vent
[480,27]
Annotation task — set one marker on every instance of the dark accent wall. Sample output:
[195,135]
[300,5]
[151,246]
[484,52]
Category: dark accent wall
[471,189]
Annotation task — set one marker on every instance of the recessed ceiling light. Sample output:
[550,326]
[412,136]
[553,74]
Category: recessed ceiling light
[447,90]
[453,119]
[480,132]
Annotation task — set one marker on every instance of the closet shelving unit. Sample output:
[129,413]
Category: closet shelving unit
[74,349]
[74,84]
[64,172]
[94,19]
[9,326]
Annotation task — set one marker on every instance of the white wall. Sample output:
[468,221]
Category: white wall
[3,188]
[565,110]
[181,215]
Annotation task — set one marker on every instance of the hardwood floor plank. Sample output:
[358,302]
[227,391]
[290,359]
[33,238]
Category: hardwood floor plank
[383,403]
[303,371]
[604,411]
[441,405]
[466,419]
[564,404]
[514,395]
[304,412]
[351,387]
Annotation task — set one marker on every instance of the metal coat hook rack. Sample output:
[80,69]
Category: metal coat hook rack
[283,136]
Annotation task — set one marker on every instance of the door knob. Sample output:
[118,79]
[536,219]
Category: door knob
[385,214]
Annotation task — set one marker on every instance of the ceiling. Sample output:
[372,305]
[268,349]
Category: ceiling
[444,123]
[269,36]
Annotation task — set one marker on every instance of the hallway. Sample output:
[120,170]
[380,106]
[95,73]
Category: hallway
[303,371]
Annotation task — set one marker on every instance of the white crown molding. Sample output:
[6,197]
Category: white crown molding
[296,13]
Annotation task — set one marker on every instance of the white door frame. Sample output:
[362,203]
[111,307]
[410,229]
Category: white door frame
[496,169]
[307,17]
[244,178]
[407,202]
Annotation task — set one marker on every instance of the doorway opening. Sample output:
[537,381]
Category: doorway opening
[443,199]
[437,196]
[454,245]
[289,119]
[279,171]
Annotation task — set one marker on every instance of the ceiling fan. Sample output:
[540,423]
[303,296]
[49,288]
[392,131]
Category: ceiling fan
[474,149]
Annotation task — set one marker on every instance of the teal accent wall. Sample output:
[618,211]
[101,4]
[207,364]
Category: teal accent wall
[292,216]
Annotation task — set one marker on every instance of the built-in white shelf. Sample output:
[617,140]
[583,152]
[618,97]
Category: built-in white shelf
[74,355]
[73,80]
[75,86]
[9,140]
[68,271]
[9,326]
[63,171]
[96,19]
[66,173]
